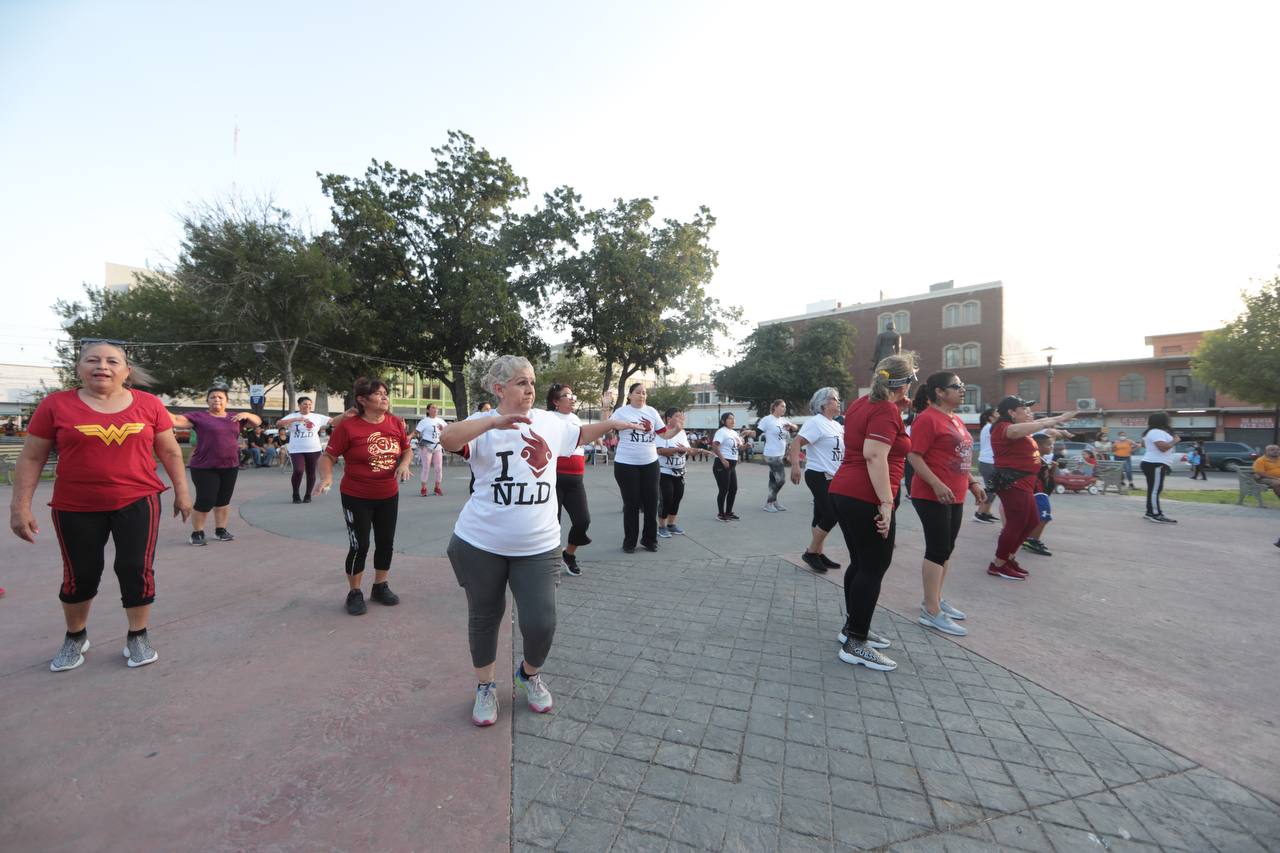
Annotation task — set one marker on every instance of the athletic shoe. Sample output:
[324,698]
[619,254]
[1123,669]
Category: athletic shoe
[770,508]
[984,518]
[1,592]
[355,603]
[485,711]
[941,622]
[1035,546]
[139,652]
[297,499]
[1277,545]
[570,564]
[197,537]
[423,492]
[664,533]
[628,549]
[732,516]
[829,563]
[676,529]
[1013,563]
[874,640]
[814,562]
[861,653]
[649,546]
[382,594]
[534,690]
[1152,517]
[1007,571]
[720,516]
[306,499]
[439,491]
[222,534]
[780,507]
[1164,519]
[71,655]
[957,615]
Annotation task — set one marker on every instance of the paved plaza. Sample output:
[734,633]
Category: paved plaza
[1123,698]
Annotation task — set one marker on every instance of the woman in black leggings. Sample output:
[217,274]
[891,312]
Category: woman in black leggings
[822,440]
[571,492]
[725,446]
[673,450]
[635,468]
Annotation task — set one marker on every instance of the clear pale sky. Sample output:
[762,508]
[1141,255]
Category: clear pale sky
[1114,164]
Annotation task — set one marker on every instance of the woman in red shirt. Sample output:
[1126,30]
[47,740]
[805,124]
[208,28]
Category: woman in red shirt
[862,495]
[1017,463]
[107,436]
[942,456]
[377,454]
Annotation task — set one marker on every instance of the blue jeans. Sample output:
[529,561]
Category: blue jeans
[1127,468]
[259,453]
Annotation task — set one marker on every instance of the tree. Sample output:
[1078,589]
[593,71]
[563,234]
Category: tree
[663,397]
[580,371]
[636,296]
[779,363]
[1243,358]
[442,261]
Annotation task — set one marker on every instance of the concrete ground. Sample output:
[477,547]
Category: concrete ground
[1123,696]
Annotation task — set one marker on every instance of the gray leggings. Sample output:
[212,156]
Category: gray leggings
[485,577]
[777,475]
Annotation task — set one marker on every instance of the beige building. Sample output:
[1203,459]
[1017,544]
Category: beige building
[21,385]
[118,278]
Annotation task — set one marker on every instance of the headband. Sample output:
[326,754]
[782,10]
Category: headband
[895,383]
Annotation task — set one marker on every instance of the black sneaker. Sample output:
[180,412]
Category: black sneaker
[306,499]
[628,549]
[222,534]
[1164,519]
[355,603]
[382,594]
[197,537]
[732,516]
[570,564]
[829,563]
[649,546]
[1035,546]
[984,518]
[814,562]
[297,499]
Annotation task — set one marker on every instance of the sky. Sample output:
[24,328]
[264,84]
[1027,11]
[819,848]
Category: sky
[1113,164]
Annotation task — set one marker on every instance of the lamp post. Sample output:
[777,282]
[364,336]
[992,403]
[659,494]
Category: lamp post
[258,400]
[1048,396]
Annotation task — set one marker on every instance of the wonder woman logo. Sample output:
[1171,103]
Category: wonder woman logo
[112,434]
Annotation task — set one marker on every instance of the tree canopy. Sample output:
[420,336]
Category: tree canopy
[1243,357]
[779,363]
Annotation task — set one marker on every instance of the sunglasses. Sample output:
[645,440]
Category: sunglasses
[112,341]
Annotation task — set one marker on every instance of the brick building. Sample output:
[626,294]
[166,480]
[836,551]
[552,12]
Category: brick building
[954,328]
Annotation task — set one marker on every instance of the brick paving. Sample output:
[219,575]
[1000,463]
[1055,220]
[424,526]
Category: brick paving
[701,706]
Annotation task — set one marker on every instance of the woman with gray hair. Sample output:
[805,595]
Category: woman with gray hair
[508,533]
[824,439]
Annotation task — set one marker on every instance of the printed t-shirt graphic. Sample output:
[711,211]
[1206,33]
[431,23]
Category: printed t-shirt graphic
[105,461]
[947,448]
[729,441]
[825,449]
[775,434]
[303,438]
[371,453]
[635,446]
[429,429]
[673,465]
[513,508]
[576,462]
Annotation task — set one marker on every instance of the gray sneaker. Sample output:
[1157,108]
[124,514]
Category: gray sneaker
[485,711]
[860,653]
[70,656]
[139,652]
[957,615]
[941,622]
[874,640]
[535,691]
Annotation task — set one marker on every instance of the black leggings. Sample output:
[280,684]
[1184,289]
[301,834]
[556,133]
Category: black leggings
[309,462]
[869,558]
[571,494]
[214,487]
[824,516]
[83,540]
[672,493]
[361,515]
[941,523]
[639,487]
[1155,472]
[726,484]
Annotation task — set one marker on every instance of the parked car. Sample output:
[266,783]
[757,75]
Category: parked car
[1223,455]
[1180,465]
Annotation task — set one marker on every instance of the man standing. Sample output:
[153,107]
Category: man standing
[1122,450]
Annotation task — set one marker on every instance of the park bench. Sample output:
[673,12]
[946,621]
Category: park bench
[1249,487]
[1110,475]
[10,449]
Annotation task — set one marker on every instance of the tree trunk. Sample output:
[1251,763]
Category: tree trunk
[457,385]
[290,391]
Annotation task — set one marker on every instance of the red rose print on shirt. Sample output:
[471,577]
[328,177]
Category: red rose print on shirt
[536,452]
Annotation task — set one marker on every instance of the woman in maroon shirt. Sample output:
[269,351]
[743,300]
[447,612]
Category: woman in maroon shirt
[215,462]
[863,496]
[1017,463]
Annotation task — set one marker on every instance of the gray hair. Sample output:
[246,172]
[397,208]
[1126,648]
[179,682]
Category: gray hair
[501,371]
[820,398]
[893,368]
[137,375]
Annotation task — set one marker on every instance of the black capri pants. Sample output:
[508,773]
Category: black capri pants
[83,536]
[726,484]
[824,517]
[941,523]
[213,487]
[363,515]
[571,494]
[639,487]
[672,487]
[869,558]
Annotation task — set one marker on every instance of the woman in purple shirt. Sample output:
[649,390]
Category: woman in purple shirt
[215,462]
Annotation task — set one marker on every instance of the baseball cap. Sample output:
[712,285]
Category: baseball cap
[1008,404]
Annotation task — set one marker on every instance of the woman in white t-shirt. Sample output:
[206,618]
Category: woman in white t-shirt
[824,438]
[429,429]
[636,470]
[725,446]
[508,533]
[986,464]
[1157,460]
[304,428]
[571,491]
[673,450]
[775,429]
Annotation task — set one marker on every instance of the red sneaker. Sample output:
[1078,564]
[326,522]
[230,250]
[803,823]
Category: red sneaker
[1008,571]
[424,490]
[439,491]
[1013,562]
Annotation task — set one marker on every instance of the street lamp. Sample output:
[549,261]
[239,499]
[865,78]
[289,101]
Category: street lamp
[1048,396]
[261,350]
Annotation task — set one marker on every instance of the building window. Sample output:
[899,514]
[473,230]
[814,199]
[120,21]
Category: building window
[950,316]
[1133,388]
[901,321]
[970,355]
[1029,389]
[951,357]
[972,313]
[1077,387]
[973,397]
[966,314]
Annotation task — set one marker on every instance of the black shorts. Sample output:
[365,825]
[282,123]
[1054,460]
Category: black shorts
[83,539]
[941,523]
[213,487]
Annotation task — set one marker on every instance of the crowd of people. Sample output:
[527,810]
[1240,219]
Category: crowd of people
[527,467]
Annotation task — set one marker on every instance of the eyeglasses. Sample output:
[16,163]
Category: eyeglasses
[567,397]
[957,386]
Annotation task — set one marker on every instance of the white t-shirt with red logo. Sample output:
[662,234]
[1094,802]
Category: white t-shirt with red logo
[513,508]
[775,432]
[636,447]
[430,428]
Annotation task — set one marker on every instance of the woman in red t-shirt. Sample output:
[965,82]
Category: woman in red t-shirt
[1017,463]
[862,495]
[108,436]
[942,456]
[376,451]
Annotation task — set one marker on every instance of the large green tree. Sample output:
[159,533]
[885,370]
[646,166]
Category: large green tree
[1243,357]
[779,363]
[635,295]
[442,260]
[580,371]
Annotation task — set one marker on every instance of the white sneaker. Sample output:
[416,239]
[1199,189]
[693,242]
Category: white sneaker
[874,640]
[534,690]
[860,653]
[485,711]
[941,622]
[780,507]
[770,507]
[957,615]
[70,656]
